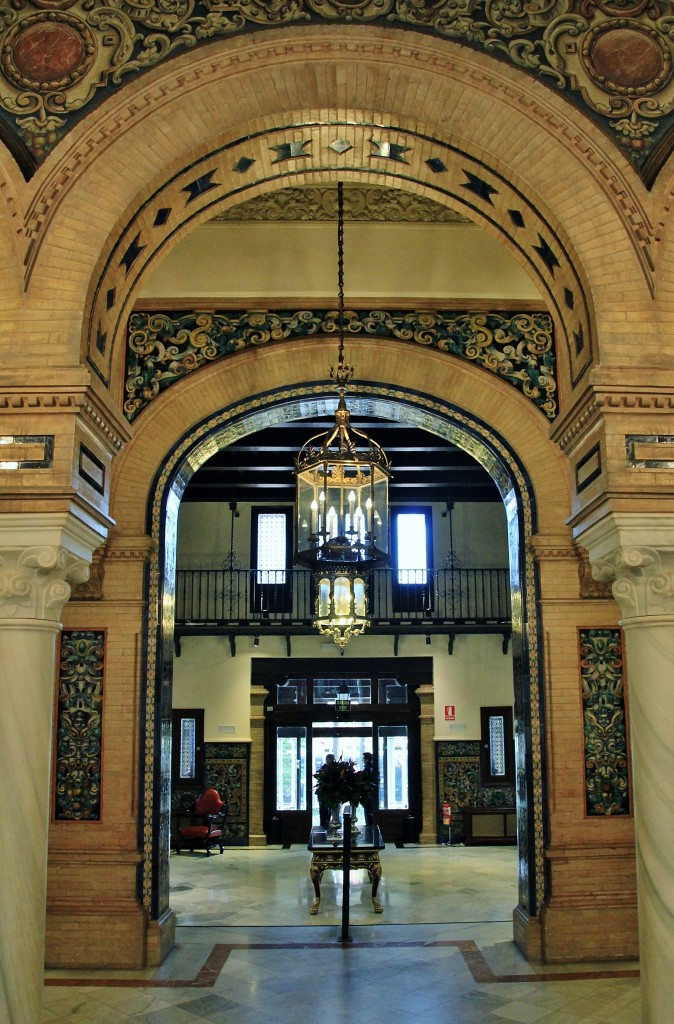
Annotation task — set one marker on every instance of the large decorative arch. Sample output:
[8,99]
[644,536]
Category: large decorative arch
[503,120]
[361,149]
[63,60]
[437,416]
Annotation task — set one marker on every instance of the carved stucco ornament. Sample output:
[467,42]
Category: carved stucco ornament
[643,579]
[34,581]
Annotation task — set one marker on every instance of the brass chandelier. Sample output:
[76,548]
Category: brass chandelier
[342,502]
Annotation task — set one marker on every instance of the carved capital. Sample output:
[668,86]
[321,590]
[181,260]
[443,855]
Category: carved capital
[636,552]
[40,555]
[34,581]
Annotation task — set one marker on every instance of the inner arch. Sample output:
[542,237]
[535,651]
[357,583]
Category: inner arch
[437,417]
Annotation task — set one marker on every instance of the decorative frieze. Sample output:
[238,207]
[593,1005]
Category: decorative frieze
[163,347]
[367,203]
[60,59]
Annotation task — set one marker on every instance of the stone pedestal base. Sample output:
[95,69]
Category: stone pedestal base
[527,935]
[161,938]
[592,913]
[94,918]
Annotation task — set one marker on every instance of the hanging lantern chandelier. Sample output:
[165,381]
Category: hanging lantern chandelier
[342,502]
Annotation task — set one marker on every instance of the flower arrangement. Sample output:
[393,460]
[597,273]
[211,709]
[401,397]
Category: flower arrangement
[341,782]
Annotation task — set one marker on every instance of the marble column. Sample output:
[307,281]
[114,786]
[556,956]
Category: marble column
[637,552]
[38,555]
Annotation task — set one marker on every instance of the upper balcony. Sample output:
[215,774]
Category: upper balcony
[249,602]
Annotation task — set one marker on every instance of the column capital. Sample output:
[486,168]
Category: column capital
[636,551]
[40,554]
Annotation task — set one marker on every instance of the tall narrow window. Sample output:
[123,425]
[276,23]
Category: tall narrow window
[270,560]
[497,754]
[188,763]
[412,547]
[412,558]
[272,555]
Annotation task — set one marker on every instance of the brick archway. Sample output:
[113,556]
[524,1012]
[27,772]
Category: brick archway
[517,491]
[480,117]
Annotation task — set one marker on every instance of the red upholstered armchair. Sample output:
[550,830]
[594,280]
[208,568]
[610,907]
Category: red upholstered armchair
[206,824]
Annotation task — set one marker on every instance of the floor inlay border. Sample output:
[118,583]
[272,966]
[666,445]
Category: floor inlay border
[473,958]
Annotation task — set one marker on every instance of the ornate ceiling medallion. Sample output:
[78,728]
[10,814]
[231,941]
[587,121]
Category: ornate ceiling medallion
[628,59]
[46,52]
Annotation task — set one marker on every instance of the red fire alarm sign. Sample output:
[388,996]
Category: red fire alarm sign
[450,712]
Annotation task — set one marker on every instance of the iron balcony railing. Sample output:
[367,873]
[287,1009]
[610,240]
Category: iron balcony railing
[278,601]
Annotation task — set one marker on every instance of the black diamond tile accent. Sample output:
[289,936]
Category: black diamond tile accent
[162,216]
[517,218]
[199,186]
[243,163]
[546,254]
[131,254]
[110,298]
[436,165]
[568,298]
[481,188]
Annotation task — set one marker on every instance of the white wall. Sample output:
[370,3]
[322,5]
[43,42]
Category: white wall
[479,534]
[244,261]
[206,676]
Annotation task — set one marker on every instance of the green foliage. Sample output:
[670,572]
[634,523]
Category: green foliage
[341,782]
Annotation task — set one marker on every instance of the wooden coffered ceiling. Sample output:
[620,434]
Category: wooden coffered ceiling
[259,468]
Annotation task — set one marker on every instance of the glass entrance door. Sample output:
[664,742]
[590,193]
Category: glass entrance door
[348,742]
[310,715]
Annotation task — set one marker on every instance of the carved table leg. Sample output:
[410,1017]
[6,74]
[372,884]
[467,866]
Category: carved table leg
[374,874]
[316,873]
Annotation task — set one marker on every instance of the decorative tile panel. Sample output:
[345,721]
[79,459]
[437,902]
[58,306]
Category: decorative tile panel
[26,451]
[604,722]
[650,451]
[227,771]
[611,58]
[162,348]
[79,725]
[458,774]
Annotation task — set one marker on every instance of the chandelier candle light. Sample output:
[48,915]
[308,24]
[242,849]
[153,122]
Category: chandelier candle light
[342,502]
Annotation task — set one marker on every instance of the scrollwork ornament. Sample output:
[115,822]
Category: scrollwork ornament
[350,10]
[644,579]
[34,581]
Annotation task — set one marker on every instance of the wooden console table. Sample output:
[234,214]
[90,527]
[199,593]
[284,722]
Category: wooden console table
[329,853]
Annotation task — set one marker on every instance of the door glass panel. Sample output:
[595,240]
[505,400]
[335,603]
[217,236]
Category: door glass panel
[291,768]
[392,692]
[293,691]
[346,741]
[393,767]
[327,691]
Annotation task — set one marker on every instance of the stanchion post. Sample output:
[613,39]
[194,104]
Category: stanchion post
[346,874]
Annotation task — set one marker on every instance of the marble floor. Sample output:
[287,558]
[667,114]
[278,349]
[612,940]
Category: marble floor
[249,952]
